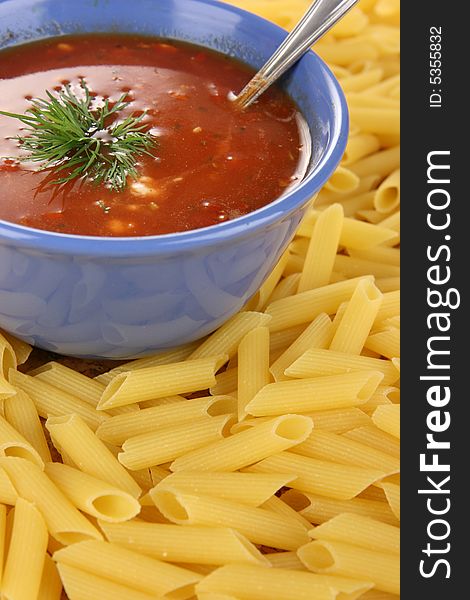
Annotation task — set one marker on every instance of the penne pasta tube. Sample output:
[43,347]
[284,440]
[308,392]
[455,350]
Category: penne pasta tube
[364,531]
[387,195]
[51,586]
[12,443]
[225,382]
[322,249]
[357,267]
[352,24]
[6,389]
[343,181]
[261,583]
[317,335]
[21,349]
[248,446]
[285,288]
[352,561]
[226,339]
[128,568]
[8,358]
[162,380]
[72,435]
[357,83]
[64,522]
[276,505]
[21,413]
[381,163]
[23,570]
[358,318]
[81,585]
[387,418]
[93,496]
[316,393]
[273,279]
[247,488]
[122,427]
[375,438]
[388,284]
[376,120]
[253,366]
[345,52]
[149,449]
[381,254]
[332,480]
[339,420]
[392,493]
[52,402]
[189,544]
[385,343]
[390,307]
[305,306]
[379,595]
[258,525]
[3,537]
[319,362]
[325,445]
[8,494]
[285,560]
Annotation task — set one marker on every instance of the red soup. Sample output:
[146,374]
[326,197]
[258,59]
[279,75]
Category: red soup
[208,161]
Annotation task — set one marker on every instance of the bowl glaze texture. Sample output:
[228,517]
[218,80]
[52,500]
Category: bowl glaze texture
[128,297]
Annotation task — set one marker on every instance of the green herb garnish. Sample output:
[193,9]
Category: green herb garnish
[65,132]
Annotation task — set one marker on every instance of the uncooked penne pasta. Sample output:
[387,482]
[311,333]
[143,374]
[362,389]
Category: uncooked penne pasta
[381,163]
[188,544]
[21,349]
[261,583]
[93,496]
[248,446]
[304,307]
[319,509]
[64,522]
[162,380]
[364,531]
[319,362]
[387,418]
[322,248]
[21,413]
[23,569]
[383,569]
[226,339]
[164,445]
[128,568]
[50,401]
[376,438]
[260,526]
[122,427]
[8,494]
[253,366]
[225,382]
[51,586]
[357,267]
[248,488]
[333,480]
[392,493]
[72,435]
[343,181]
[385,343]
[7,356]
[339,420]
[12,443]
[381,254]
[358,318]
[278,506]
[286,560]
[325,445]
[6,389]
[315,393]
[82,585]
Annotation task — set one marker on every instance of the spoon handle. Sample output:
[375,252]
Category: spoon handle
[318,19]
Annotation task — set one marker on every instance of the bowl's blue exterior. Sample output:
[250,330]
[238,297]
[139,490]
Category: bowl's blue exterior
[127,297]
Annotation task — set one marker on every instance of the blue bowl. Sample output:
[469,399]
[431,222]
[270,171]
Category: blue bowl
[127,297]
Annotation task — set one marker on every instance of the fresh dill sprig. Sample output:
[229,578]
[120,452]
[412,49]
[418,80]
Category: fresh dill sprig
[65,132]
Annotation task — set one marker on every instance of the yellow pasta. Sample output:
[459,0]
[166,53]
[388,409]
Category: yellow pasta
[318,362]
[259,583]
[248,488]
[329,479]
[387,196]
[122,427]
[381,568]
[339,420]
[162,380]
[278,506]
[225,382]
[3,540]
[357,267]
[316,393]
[363,531]
[249,446]
[392,493]
[381,163]
[92,496]
[149,449]
[358,318]
[128,568]
[253,366]
[6,389]
[8,494]
[12,443]
[21,349]
[64,522]
[89,453]
[325,445]
[188,544]
[356,83]
[51,586]
[343,181]
[50,401]
[322,249]
[386,343]
[286,560]
[7,356]
[387,418]
[23,569]
[259,525]
[376,438]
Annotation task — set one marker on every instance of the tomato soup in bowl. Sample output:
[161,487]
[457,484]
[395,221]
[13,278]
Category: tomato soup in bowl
[139,208]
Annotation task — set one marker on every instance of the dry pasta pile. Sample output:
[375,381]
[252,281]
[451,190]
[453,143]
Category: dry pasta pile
[263,462]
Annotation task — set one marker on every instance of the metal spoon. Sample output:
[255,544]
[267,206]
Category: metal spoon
[318,19]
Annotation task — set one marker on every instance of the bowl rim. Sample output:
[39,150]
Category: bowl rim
[154,245]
